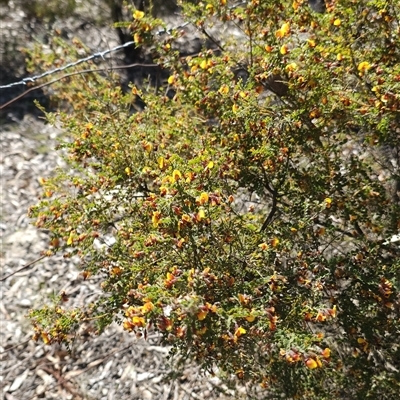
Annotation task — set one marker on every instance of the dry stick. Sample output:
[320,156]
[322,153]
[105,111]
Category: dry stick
[62,382]
[85,71]
[21,269]
[15,346]
[24,361]
[91,365]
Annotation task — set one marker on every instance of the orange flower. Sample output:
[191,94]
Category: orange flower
[250,318]
[272,323]
[326,353]
[180,331]
[202,314]
[274,242]
[45,337]
[311,363]
[211,307]
[147,307]
[244,299]
[320,317]
[147,146]
[332,311]
[268,48]
[201,331]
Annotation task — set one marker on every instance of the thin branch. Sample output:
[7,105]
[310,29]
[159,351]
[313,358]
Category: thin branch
[274,209]
[212,39]
[21,269]
[15,346]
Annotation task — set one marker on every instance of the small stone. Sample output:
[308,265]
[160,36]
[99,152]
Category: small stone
[25,303]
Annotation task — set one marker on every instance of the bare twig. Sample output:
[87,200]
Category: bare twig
[24,267]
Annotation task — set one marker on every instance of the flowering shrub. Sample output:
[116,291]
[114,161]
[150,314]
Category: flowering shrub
[249,218]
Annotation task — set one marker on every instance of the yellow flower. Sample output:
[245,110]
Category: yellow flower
[189,176]
[296,4]
[70,239]
[138,14]
[235,108]
[364,67]
[210,7]
[162,163]
[283,31]
[201,331]
[202,199]
[176,175]
[337,22]
[284,49]
[291,67]
[171,79]
[156,218]
[224,89]
[240,331]
[138,321]
[311,42]
[204,64]
[328,202]
[201,214]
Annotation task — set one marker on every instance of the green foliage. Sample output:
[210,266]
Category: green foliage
[297,290]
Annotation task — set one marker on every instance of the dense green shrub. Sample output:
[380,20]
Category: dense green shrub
[296,290]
